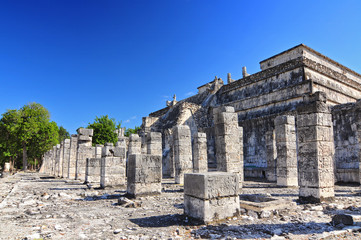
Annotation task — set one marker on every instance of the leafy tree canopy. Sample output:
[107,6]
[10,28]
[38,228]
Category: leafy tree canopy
[26,132]
[129,131]
[63,134]
[104,130]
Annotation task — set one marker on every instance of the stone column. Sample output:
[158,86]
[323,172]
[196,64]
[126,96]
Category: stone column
[84,151]
[315,149]
[200,163]
[53,161]
[271,151]
[286,151]
[144,175]
[98,150]
[145,170]
[154,143]
[61,153]
[112,166]
[57,160]
[66,155]
[72,156]
[134,144]
[229,150]
[182,152]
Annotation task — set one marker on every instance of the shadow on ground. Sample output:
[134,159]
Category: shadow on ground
[165,221]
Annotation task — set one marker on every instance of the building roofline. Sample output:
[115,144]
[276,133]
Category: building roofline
[317,53]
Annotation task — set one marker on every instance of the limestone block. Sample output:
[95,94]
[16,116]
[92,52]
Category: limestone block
[144,174]
[83,152]
[108,150]
[98,150]
[154,143]
[211,210]
[119,152]
[112,172]
[93,168]
[211,196]
[84,138]
[85,131]
[200,160]
[284,119]
[211,185]
[66,157]
[316,153]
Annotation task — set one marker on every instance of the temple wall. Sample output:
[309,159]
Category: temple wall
[347,148]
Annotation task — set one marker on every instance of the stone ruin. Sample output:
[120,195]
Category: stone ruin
[297,122]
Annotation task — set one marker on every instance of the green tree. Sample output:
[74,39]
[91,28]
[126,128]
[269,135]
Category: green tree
[27,129]
[33,116]
[104,130]
[129,131]
[46,137]
[10,148]
[63,134]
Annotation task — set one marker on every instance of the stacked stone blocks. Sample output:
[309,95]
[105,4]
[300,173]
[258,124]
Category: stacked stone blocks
[84,151]
[72,156]
[182,152]
[200,160]
[211,196]
[316,149]
[144,175]
[286,151]
[112,166]
[66,156]
[228,137]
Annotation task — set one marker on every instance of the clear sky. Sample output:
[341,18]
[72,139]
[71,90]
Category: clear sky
[83,58]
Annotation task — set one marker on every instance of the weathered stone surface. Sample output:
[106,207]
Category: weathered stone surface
[182,152]
[112,171]
[286,151]
[316,174]
[72,156]
[134,144]
[211,196]
[93,170]
[66,157]
[229,150]
[144,174]
[200,160]
[98,150]
[271,153]
[211,185]
[85,132]
[84,151]
[154,143]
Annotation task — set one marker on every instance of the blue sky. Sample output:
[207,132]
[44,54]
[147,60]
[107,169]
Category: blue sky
[82,59]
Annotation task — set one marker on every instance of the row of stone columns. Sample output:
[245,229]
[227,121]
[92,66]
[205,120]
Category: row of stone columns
[68,159]
[304,157]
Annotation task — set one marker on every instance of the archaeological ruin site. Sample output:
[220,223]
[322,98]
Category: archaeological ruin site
[273,155]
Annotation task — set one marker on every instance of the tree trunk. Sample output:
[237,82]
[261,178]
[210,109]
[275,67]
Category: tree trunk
[25,157]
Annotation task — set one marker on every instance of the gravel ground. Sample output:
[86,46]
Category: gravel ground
[34,206]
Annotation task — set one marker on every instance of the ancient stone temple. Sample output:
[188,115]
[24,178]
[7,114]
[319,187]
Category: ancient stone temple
[266,108]
[296,122]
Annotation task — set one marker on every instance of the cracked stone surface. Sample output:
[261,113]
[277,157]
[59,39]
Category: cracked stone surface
[35,206]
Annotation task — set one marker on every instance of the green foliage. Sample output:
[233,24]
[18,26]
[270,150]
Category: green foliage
[10,147]
[129,131]
[104,130]
[63,134]
[26,132]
